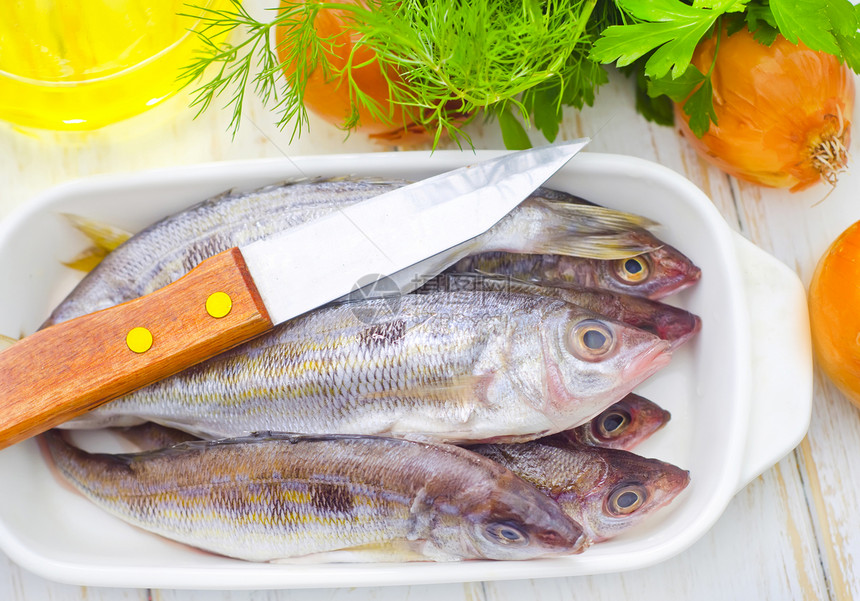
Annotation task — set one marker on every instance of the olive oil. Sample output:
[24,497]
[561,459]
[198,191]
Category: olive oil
[82,64]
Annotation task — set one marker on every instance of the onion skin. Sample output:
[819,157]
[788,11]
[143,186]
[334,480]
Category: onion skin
[834,298]
[783,112]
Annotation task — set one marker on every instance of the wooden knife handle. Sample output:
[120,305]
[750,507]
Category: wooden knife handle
[68,368]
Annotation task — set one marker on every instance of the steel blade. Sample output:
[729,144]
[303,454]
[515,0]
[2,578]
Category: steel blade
[325,259]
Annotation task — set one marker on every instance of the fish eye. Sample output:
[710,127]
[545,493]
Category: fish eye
[590,340]
[613,423]
[626,499]
[506,534]
[632,270]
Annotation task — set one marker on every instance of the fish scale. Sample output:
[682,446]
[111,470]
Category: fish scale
[270,497]
[584,480]
[670,323]
[662,271]
[547,221]
[442,379]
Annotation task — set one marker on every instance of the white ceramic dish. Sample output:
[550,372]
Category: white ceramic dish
[750,364]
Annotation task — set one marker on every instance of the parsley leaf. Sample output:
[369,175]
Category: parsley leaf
[657,109]
[677,89]
[827,26]
[696,88]
[760,21]
[670,28]
[700,108]
[851,46]
[805,20]
[545,106]
[513,133]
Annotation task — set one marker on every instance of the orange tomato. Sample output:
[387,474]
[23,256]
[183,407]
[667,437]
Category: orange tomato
[834,296]
[327,94]
[783,111]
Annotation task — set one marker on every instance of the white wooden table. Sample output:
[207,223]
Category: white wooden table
[793,533]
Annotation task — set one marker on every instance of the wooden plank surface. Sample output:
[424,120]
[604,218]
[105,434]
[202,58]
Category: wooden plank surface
[793,533]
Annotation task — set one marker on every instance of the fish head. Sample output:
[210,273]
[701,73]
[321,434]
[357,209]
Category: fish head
[591,361]
[653,274]
[516,521]
[630,489]
[626,423]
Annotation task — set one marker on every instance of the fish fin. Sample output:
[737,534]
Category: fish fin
[591,218]
[103,235]
[392,551]
[149,436]
[604,247]
[468,389]
[593,232]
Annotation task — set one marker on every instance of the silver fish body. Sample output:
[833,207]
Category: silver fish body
[447,367]
[607,491]
[670,323]
[654,274]
[274,497]
[623,425]
[548,221]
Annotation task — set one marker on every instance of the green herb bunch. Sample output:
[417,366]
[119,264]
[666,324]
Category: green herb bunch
[659,38]
[456,60]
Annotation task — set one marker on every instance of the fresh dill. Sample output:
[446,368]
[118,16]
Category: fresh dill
[444,61]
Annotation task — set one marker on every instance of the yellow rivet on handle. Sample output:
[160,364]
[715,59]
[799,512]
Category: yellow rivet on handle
[139,340]
[219,304]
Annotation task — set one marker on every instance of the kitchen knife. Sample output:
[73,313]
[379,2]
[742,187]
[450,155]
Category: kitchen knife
[68,368]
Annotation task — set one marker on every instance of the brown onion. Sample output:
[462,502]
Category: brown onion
[783,111]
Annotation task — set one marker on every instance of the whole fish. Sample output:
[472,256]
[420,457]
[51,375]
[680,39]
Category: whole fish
[653,274]
[606,491]
[345,498]
[548,221]
[447,367]
[669,323]
[624,425]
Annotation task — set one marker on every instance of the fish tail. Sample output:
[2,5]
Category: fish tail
[6,342]
[84,471]
[86,260]
[103,236]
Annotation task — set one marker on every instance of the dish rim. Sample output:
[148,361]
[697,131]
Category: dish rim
[267,576]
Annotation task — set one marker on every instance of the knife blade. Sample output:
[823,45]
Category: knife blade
[68,368]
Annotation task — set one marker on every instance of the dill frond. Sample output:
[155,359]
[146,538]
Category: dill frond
[443,61]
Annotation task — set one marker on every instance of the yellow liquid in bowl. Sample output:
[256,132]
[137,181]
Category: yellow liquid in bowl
[82,64]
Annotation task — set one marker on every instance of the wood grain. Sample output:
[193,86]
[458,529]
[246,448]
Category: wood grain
[793,533]
[68,368]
